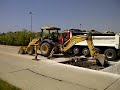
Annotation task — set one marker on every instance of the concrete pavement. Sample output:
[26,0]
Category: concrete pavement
[25,73]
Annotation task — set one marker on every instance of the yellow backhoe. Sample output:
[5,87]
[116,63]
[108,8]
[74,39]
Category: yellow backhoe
[50,45]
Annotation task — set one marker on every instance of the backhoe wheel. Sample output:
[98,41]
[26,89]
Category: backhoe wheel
[45,49]
[31,50]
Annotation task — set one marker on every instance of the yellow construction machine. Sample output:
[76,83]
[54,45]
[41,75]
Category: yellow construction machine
[42,42]
[54,43]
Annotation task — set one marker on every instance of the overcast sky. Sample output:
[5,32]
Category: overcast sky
[91,14]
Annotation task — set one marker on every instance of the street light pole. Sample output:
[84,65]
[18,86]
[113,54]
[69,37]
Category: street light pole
[80,26]
[31,20]
[31,25]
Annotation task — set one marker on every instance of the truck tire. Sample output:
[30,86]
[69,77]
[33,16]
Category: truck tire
[45,49]
[76,50]
[31,50]
[97,50]
[85,51]
[110,54]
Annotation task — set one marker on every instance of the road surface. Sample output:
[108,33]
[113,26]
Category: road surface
[28,74]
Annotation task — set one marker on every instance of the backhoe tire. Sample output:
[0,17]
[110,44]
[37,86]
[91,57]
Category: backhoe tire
[110,54]
[31,50]
[45,49]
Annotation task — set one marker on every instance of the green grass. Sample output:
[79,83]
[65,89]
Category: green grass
[6,86]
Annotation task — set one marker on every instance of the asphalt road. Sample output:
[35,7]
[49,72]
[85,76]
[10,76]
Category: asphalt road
[28,74]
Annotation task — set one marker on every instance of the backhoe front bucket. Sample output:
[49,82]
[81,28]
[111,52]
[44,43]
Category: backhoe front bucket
[30,48]
[101,60]
[22,50]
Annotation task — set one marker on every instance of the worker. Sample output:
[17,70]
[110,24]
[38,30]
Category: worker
[53,35]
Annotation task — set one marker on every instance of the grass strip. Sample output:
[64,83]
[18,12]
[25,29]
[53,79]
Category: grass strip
[6,86]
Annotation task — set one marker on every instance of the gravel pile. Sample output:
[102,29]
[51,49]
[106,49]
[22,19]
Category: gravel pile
[115,69]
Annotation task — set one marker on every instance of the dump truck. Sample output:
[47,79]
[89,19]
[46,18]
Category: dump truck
[106,43]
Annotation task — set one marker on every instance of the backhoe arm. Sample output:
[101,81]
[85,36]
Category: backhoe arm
[76,39]
[100,59]
[72,41]
[91,47]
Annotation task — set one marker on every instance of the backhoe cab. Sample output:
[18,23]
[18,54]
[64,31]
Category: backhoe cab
[49,41]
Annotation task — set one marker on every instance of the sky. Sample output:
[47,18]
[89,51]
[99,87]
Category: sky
[100,15]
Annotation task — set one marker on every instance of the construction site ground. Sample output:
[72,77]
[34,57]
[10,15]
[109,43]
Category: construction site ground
[48,74]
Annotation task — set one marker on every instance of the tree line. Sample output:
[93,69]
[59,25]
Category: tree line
[18,38]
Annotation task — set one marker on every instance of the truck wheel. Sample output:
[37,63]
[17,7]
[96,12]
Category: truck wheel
[45,49]
[86,52]
[110,54]
[31,50]
[98,50]
[76,50]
